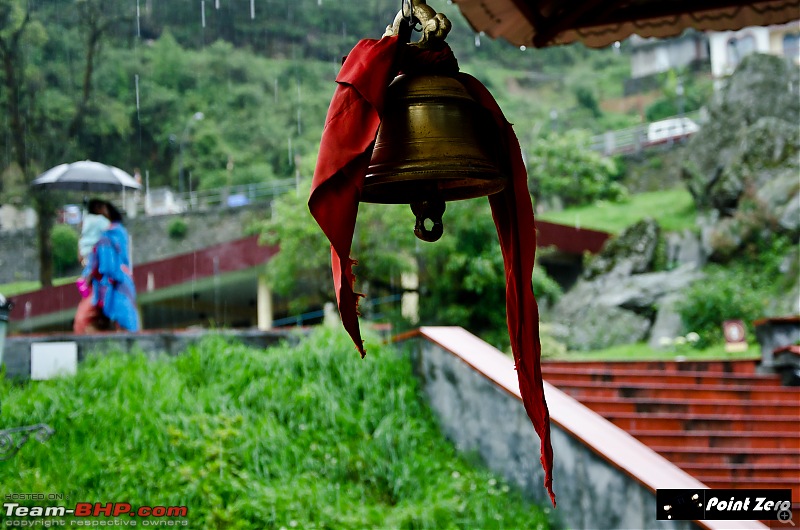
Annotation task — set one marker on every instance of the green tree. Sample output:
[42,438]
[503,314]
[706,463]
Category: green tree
[47,113]
[562,169]
[462,278]
[381,243]
[682,92]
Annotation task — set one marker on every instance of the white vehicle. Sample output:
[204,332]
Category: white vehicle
[671,130]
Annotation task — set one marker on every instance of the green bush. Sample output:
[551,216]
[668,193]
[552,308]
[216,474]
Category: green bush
[732,293]
[563,169]
[65,247]
[177,228]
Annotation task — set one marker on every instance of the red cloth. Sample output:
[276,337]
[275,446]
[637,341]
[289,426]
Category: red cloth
[345,151]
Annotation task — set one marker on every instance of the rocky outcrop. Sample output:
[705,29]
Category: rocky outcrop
[631,252]
[621,299]
[742,167]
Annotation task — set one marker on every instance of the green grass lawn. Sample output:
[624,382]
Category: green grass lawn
[11,289]
[673,209]
[305,437]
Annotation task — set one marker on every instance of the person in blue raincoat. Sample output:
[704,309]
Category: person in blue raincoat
[112,304]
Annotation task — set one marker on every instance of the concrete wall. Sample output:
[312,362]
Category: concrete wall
[17,351]
[151,239]
[19,258]
[481,417]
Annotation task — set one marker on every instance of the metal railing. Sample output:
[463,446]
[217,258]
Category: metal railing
[233,196]
[629,140]
[298,320]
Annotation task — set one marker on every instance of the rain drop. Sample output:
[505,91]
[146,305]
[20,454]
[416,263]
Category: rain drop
[136,82]
[203,12]
[299,127]
[216,4]
[523,48]
[252,9]
[289,150]
[477,41]
[138,21]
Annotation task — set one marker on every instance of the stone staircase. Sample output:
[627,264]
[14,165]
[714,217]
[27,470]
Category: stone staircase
[719,421]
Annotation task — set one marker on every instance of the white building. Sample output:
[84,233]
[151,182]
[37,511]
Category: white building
[728,48]
[652,56]
[723,49]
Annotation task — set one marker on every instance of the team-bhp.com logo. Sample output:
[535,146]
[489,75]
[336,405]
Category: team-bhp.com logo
[92,514]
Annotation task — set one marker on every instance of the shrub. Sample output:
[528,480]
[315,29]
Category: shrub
[725,294]
[563,170]
[177,228]
[65,248]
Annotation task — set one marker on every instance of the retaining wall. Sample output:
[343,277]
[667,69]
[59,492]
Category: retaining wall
[603,477]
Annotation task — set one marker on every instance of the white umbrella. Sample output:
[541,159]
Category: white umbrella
[86,176]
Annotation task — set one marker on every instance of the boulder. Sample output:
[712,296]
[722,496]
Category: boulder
[642,292]
[684,248]
[668,323]
[742,167]
[614,309]
[595,327]
[631,252]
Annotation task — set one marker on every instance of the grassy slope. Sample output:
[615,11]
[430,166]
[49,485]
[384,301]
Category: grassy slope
[306,437]
[11,289]
[673,209]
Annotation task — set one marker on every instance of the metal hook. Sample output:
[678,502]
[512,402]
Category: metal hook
[434,26]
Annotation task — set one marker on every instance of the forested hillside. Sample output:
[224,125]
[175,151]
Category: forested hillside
[262,79]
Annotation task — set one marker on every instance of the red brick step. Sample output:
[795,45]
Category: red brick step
[764,396]
[743,366]
[745,471]
[713,440]
[727,456]
[692,406]
[574,375]
[702,422]
[720,421]
[715,481]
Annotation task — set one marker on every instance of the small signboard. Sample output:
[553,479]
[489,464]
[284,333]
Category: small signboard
[735,338]
[53,359]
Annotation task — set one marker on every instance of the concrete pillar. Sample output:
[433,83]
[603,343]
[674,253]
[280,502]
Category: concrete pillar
[409,303]
[264,304]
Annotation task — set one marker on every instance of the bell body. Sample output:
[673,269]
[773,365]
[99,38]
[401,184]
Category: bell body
[435,143]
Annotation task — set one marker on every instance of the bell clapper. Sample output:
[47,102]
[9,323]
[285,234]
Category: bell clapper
[433,210]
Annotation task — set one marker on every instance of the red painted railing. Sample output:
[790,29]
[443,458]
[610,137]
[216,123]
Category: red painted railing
[217,259]
[243,254]
[569,239]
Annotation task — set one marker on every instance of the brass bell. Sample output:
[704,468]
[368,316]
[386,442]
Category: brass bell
[435,144]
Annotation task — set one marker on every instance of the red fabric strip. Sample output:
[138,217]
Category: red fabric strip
[344,155]
[345,151]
